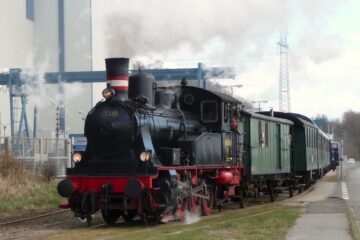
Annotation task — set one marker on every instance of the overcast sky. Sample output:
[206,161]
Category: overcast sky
[323,36]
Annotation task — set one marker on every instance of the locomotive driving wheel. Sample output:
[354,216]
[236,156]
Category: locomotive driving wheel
[189,205]
[188,202]
[194,205]
[208,204]
[195,198]
[206,198]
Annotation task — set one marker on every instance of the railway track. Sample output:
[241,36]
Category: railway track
[35,226]
[56,221]
[32,217]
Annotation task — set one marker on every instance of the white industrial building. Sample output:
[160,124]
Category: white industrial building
[49,36]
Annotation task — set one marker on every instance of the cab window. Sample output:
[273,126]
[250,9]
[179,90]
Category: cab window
[209,111]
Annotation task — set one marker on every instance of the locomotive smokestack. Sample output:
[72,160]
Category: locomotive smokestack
[117,75]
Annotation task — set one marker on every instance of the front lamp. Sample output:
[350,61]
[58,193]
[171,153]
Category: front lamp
[145,156]
[77,157]
[108,93]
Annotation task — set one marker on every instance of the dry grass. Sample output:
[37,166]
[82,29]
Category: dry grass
[16,180]
[21,189]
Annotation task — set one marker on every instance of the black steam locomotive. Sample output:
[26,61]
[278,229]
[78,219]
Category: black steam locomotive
[155,152]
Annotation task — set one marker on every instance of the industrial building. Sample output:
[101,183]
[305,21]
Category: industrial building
[46,36]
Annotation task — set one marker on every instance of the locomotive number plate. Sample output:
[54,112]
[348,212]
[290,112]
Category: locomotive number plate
[110,114]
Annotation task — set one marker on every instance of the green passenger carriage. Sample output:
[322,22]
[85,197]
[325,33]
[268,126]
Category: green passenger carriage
[310,147]
[267,152]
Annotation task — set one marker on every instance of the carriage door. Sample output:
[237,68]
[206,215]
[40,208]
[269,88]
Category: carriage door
[278,145]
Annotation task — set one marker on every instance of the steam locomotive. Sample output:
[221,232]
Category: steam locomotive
[159,152]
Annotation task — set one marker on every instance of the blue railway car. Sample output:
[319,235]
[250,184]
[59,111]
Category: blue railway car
[334,155]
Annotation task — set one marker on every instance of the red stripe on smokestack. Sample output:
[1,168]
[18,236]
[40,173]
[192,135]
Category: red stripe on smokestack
[118,78]
[120,88]
[118,83]
[117,75]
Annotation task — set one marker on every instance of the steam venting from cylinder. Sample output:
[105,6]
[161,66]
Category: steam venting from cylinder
[117,75]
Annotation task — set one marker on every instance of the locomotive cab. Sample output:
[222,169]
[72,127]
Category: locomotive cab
[217,112]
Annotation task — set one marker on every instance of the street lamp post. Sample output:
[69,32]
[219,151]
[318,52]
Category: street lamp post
[259,102]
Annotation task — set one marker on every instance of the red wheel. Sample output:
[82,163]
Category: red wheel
[194,205]
[207,204]
[189,205]
[180,213]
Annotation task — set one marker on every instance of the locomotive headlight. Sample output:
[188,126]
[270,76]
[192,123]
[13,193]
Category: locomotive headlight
[108,93]
[76,157]
[145,156]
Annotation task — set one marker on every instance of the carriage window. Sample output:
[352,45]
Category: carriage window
[226,111]
[307,137]
[263,134]
[209,111]
[314,138]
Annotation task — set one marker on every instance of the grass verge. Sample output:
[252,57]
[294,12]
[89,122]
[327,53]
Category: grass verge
[268,222]
[354,228]
[42,196]
[22,190]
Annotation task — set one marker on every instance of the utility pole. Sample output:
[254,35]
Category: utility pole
[259,102]
[284,81]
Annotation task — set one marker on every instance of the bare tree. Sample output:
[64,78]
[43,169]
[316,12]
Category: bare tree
[351,133]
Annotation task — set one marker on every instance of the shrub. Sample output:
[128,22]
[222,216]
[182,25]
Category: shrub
[48,171]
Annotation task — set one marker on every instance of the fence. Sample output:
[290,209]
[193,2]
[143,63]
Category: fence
[38,153]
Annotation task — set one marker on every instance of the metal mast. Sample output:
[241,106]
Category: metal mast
[284,81]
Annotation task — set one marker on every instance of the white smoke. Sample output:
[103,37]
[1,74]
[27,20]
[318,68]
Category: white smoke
[218,31]
[43,95]
[161,27]
[33,84]
[191,218]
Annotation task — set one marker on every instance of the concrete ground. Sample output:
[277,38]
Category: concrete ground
[325,216]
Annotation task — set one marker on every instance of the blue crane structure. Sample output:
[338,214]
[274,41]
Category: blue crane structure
[15,84]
